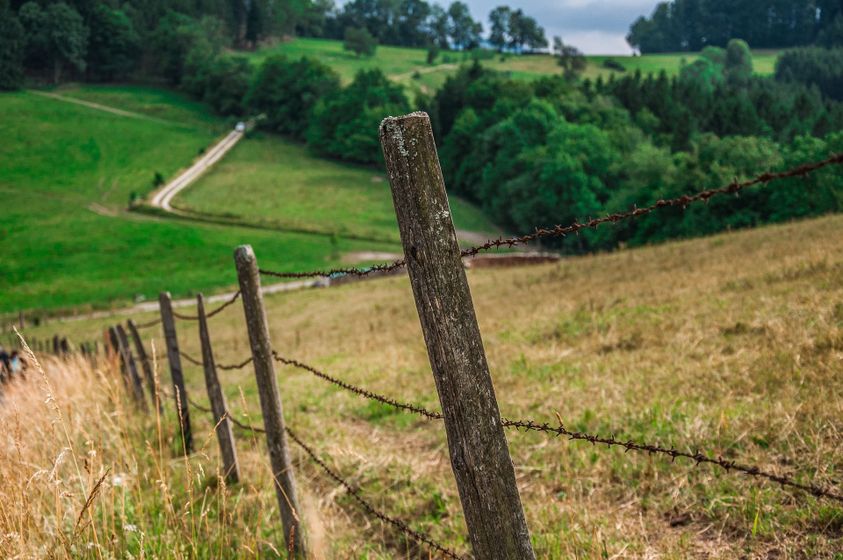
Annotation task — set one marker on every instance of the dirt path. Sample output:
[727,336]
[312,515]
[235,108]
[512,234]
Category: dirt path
[163,197]
[423,70]
[105,108]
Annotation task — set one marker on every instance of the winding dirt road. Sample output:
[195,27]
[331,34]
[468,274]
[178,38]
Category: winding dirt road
[162,198]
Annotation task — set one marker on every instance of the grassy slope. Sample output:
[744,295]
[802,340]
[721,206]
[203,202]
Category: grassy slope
[300,191]
[718,343]
[62,158]
[401,63]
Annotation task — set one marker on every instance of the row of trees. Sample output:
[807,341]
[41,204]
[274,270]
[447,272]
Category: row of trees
[417,23]
[691,25]
[555,151]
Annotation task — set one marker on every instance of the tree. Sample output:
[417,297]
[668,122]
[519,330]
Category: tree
[437,26]
[570,58]
[345,123]
[113,46]
[499,29]
[738,68]
[359,41]
[227,83]
[463,30]
[57,37]
[523,30]
[12,45]
[285,91]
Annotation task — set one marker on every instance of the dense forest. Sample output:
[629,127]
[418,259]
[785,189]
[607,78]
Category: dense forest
[529,153]
[691,25]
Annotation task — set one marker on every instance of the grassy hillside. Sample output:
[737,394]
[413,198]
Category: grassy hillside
[269,180]
[409,66]
[65,178]
[729,344]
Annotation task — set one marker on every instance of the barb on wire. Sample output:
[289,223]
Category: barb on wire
[562,231]
[369,508]
[359,390]
[673,453]
[212,313]
[148,324]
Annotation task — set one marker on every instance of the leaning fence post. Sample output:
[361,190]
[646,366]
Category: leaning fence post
[270,397]
[145,364]
[134,379]
[168,322]
[479,452]
[225,435]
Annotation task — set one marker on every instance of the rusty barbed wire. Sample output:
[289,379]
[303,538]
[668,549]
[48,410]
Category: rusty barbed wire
[148,324]
[560,430]
[369,508]
[562,231]
[696,456]
[212,313]
[359,390]
[196,362]
[354,493]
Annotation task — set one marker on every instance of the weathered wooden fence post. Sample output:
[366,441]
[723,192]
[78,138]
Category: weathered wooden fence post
[117,355]
[135,382]
[168,321]
[225,434]
[270,397]
[146,365]
[479,452]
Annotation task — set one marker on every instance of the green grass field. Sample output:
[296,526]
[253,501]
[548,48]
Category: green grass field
[267,179]
[65,179]
[402,63]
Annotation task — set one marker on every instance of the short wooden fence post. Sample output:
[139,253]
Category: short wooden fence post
[270,397]
[117,355]
[146,365]
[225,434]
[479,452]
[168,321]
[134,379]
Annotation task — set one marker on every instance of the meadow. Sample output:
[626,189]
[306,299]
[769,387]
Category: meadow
[302,192]
[67,178]
[409,65]
[729,344]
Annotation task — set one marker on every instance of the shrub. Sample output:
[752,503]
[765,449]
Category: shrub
[359,41]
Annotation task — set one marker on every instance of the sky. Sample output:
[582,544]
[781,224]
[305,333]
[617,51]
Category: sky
[594,26]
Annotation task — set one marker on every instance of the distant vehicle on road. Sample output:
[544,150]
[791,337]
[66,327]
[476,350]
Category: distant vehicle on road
[241,127]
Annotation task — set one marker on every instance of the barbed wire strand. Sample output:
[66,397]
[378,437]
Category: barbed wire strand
[369,508]
[148,324]
[560,430]
[359,390]
[353,492]
[562,231]
[212,313]
[196,362]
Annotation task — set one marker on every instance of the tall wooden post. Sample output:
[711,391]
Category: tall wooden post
[146,365]
[478,448]
[168,321]
[135,383]
[270,397]
[225,434]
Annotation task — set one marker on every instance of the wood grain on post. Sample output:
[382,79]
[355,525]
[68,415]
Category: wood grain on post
[168,322]
[270,397]
[225,434]
[478,448]
[135,382]
[146,365]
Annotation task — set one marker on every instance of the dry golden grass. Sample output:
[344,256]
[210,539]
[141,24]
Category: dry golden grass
[732,344]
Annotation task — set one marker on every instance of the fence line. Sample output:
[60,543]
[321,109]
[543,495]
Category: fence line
[482,465]
[562,231]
